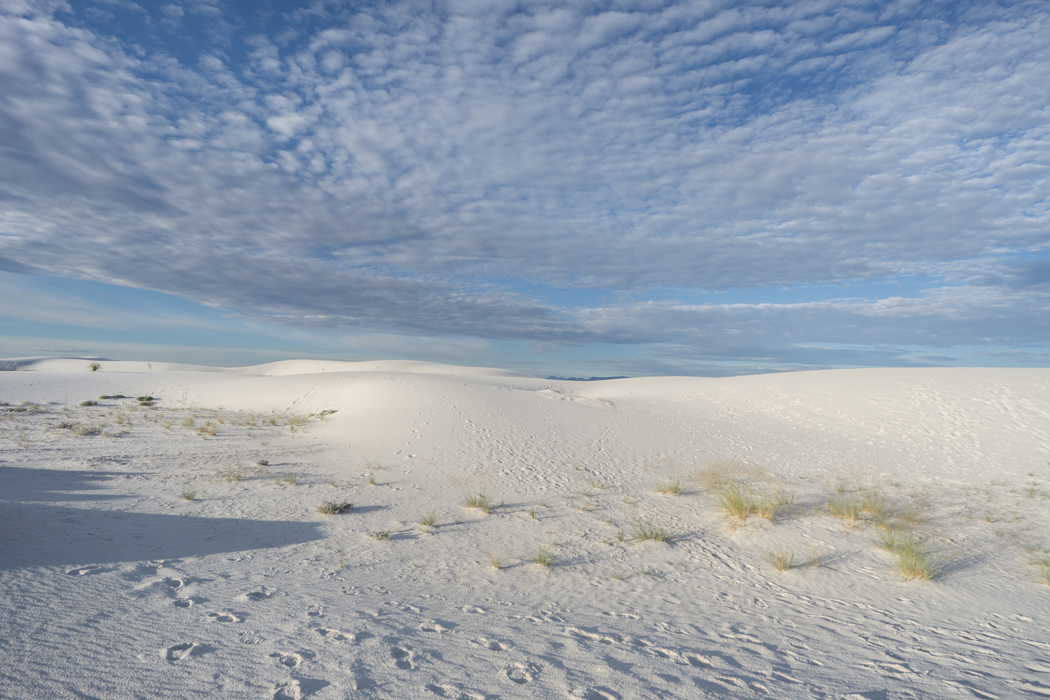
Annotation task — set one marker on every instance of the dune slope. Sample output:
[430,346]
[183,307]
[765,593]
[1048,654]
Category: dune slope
[173,548]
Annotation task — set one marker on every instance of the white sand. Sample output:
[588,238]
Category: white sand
[113,586]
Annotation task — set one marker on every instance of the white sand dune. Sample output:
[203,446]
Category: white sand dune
[115,586]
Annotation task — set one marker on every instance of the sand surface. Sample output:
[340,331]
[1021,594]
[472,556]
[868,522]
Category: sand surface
[115,584]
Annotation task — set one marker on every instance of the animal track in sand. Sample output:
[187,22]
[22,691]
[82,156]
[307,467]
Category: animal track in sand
[288,691]
[448,691]
[178,652]
[261,594]
[626,616]
[250,637]
[403,658]
[522,673]
[291,659]
[226,617]
[490,644]
[601,693]
[583,634]
[185,602]
[434,626]
[315,611]
[167,586]
[337,636]
[87,570]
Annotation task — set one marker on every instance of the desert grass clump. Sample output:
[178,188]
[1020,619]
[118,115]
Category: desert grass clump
[332,508]
[741,500]
[1042,568]
[644,530]
[289,479]
[782,558]
[188,423]
[496,558]
[94,366]
[294,422]
[381,535]
[913,558]
[262,463]
[845,508]
[89,402]
[479,501]
[544,557]
[871,504]
[231,472]
[718,474]
[671,487]
[427,520]
[189,495]
[86,430]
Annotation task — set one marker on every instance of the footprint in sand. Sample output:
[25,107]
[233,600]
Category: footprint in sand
[291,659]
[168,586]
[583,634]
[626,616]
[250,637]
[403,658]
[261,594]
[434,626]
[490,644]
[447,691]
[226,617]
[337,636]
[178,652]
[288,691]
[601,693]
[185,602]
[86,571]
[522,673]
[315,611]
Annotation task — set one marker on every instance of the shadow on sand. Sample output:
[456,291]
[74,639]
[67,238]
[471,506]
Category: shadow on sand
[34,533]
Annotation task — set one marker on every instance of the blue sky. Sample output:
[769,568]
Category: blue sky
[617,188]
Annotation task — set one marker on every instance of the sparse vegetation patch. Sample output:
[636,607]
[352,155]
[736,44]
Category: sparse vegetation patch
[913,557]
[332,508]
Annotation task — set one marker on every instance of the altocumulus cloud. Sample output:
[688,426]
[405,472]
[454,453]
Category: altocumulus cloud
[466,168]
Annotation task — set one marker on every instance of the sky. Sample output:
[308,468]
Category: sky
[574,189]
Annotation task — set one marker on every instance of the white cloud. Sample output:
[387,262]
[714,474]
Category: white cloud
[366,170]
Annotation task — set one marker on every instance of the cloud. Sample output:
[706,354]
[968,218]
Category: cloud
[383,168]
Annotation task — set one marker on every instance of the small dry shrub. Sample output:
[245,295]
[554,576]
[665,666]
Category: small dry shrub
[332,508]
